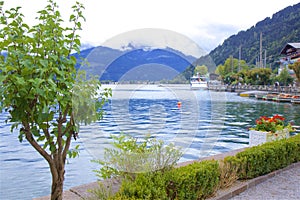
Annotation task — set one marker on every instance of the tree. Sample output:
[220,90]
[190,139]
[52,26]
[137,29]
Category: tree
[284,77]
[296,67]
[220,70]
[230,67]
[201,70]
[40,88]
[260,76]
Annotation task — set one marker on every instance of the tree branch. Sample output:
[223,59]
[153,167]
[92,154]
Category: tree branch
[68,141]
[67,146]
[34,143]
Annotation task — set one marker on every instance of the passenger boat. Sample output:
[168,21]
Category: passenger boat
[198,82]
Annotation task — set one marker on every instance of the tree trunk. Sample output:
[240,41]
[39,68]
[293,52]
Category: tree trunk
[57,172]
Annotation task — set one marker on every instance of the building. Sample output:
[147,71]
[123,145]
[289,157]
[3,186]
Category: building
[291,53]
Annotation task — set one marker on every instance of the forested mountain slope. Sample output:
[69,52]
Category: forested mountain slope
[282,28]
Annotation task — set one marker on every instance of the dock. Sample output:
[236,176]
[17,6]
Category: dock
[282,94]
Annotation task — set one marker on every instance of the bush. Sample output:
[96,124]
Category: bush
[230,168]
[195,181]
[271,156]
[146,186]
[294,147]
[130,156]
[200,180]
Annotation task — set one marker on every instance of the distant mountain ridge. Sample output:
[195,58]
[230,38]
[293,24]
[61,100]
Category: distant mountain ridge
[142,63]
[282,28]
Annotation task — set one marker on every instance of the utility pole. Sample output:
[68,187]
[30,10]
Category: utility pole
[240,49]
[231,62]
[265,61]
[260,51]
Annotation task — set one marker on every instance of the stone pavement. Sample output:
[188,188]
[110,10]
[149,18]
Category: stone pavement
[283,184]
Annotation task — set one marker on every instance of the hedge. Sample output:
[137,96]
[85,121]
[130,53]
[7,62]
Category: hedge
[195,181]
[200,180]
[268,157]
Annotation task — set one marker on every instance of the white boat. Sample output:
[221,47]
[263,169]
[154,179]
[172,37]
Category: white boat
[198,82]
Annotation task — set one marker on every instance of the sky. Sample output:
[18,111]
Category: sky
[208,23]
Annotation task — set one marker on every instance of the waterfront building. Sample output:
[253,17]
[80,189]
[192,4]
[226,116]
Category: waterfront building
[291,54]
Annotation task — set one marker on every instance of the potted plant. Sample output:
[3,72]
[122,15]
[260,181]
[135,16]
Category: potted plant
[268,129]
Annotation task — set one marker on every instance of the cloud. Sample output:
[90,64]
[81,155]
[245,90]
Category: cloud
[154,37]
[206,22]
[210,35]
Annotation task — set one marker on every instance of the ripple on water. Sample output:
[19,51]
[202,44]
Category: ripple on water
[220,124]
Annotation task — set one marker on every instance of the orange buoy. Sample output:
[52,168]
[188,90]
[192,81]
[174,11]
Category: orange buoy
[179,104]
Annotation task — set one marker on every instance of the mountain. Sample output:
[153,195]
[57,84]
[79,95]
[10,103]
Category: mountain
[138,64]
[282,28]
[134,64]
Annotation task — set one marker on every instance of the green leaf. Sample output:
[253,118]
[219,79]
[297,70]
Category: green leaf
[21,137]
[44,63]
[52,148]
[35,131]
[14,126]
[41,138]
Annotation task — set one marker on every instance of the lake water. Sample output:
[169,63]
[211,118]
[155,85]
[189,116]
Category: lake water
[207,123]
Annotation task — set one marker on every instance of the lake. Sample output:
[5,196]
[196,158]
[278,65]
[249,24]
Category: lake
[206,123]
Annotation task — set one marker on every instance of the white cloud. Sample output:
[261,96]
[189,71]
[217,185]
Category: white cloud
[159,38]
[194,18]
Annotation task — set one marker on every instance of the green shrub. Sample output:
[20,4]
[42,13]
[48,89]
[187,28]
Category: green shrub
[230,168]
[294,144]
[195,181]
[130,156]
[200,180]
[271,156]
[150,185]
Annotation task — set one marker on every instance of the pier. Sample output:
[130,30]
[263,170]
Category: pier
[243,88]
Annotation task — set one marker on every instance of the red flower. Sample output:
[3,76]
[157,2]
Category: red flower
[278,117]
[264,118]
[270,124]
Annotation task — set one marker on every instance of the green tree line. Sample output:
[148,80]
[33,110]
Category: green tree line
[234,71]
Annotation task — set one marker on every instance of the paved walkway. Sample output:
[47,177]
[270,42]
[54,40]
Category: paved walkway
[283,186]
